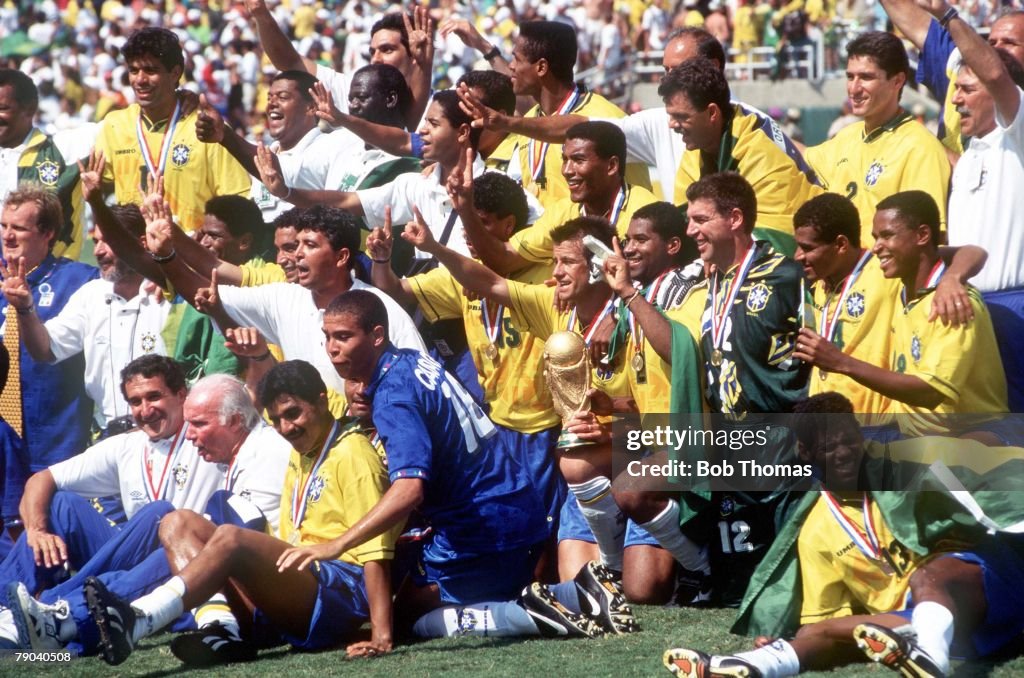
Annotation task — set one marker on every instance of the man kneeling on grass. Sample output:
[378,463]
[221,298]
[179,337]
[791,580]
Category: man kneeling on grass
[334,478]
[883,575]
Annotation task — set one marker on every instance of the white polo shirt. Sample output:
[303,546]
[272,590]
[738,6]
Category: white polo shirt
[257,472]
[111,331]
[305,165]
[140,471]
[985,204]
[286,315]
[650,140]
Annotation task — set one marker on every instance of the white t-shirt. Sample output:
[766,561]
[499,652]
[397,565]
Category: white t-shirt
[302,166]
[141,471]
[984,202]
[257,472]
[337,83]
[287,316]
[112,331]
[650,140]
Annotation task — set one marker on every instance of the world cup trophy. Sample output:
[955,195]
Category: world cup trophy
[567,370]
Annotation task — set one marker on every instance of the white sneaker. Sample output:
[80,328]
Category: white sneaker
[41,626]
[9,637]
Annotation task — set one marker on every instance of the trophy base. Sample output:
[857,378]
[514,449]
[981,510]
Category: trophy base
[568,441]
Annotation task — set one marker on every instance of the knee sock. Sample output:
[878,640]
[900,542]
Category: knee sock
[496,620]
[216,611]
[934,626]
[604,517]
[775,660]
[665,528]
[158,609]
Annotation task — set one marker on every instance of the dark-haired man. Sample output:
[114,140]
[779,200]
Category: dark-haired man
[936,369]
[889,151]
[27,155]
[334,479]
[154,136]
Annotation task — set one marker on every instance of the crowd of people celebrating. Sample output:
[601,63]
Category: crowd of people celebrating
[364,342]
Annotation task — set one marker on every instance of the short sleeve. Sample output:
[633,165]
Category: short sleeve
[93,473]
[532,308]
[406,437]
[438,295]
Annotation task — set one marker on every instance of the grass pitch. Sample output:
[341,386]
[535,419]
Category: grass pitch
[634,655]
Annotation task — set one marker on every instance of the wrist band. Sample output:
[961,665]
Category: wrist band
[163,260]
[261,358]
[25,311]
[950,14]
[493,54]
[381,261]
[630,300]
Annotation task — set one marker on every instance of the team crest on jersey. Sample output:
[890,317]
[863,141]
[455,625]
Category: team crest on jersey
[757,297]
[148,342]
[855,305]
[49,173]
[727,506]
[180,476]
[316,488]
[180,155]
[915,348]
[874,174]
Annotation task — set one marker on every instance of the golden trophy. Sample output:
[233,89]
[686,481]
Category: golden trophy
[567,370]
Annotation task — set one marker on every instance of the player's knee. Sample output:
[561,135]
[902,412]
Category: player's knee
[226,538]
[175,524]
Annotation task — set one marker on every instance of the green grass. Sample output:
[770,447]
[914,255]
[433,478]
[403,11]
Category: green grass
[635,655]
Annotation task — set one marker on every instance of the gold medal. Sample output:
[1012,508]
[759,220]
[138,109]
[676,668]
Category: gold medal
[637,362]
[294,538]
[823,375]
[491,352]
[716,357]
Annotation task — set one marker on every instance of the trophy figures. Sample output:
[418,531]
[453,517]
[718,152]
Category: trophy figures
[567,370]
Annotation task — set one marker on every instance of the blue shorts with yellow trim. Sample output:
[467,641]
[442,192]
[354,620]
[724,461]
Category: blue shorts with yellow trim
[573,526]
[464,580]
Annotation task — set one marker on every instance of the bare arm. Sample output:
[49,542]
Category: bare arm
[657,328]
[950,303]
[911,20]
[551,128]
[471,37]
[275,43]
[389,139]
[210,129]
[377,574]
[421,47]
[379,246]
[982,59]
[914,391]
[49,549]
[404,495]
[271,177]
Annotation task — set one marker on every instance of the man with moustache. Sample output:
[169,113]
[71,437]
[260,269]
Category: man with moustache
[225,430]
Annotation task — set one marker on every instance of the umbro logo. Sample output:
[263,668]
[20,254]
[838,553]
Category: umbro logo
[124,151]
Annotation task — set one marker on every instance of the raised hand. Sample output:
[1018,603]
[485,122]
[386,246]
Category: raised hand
[418,235]
[152,192]
[380,242]
[483,116]
[269,168]
[15,286]
[207,300]
[460,181]
[466,32]
[256,7]
[246,342]
[325,108]
[934,7]
[91,174]
[421,36]
[616,271]
[209,123]
[159,229]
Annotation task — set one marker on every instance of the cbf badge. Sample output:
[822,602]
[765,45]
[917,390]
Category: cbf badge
[49,173]
[316,488]
[148,342]
[915,348]
[757,298]
[45,295]
[180,476]
[855,305]
[180,155]
[874,174]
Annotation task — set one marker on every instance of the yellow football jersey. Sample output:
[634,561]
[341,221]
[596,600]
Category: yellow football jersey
[962,363]
[533,310]
[535,243]
[899,156]
[513,380]
[348,483]
[258,272]
[194,171]
[550,186]
[862,330]
[838,580]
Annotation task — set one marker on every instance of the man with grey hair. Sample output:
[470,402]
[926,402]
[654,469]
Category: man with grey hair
[224,427]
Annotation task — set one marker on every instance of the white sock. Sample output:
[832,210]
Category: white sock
[496,620]
[665,528]
[775,660]
[159,608]
[933,624]
[216,611]
[604,517]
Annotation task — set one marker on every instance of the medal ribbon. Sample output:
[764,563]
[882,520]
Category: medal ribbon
[718,317]
[537,161]
[828,327]
[933,279]
[595,323]
[165,145]
[158,491]
[492,329]
[651,296]
[866,541]
[300,499]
